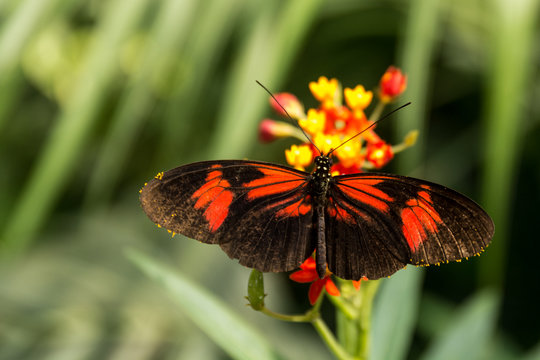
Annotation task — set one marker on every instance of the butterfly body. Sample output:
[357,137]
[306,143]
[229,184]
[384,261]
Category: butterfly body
[271,217]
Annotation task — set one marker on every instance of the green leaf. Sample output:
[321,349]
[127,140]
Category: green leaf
[61,153]
[418,48]
[511,67]
[219,322]
[394,314]
[467,336]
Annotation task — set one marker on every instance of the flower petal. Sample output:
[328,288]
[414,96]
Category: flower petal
[331,287]
[315,290]
[304,276]
[309,264]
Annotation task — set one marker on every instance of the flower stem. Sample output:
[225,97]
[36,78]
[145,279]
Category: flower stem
[307,317]
[346,309]
[330,340]
[376,114]
[369,289]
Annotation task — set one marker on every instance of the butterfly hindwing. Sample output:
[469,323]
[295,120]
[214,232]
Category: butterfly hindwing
[259,213]
[378,223]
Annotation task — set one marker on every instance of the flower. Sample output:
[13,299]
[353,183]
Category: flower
[314,123]
[393,83]
[326,142]
[333,123]
[379,154]
[349,154]
[358,98]
[308,274]
[299,156]
[325,91]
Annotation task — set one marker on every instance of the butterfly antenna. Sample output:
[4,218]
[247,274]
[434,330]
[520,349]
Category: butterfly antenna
[369,127]
[289,116]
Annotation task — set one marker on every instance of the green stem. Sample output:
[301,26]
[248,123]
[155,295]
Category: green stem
[346,309]
[376,114]
[369,289]
[330,340]
[307,317]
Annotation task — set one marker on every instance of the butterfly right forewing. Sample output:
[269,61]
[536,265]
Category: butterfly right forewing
[384,222]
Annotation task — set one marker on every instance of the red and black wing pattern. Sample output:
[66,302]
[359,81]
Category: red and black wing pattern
[259,213]
[378,223]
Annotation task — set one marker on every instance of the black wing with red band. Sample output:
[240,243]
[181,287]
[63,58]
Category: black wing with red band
[378,223]
[259,213]
[263,214]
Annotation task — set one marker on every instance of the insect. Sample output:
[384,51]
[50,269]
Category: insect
[272,217]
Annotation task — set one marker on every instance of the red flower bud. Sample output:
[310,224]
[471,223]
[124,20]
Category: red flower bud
[290,103]
[393,83]
[270,130]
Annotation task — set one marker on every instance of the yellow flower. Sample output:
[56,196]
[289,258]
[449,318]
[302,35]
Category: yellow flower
[314,123]
[325,91]
[358,98]
[299,156]
[325,142]
[349,153]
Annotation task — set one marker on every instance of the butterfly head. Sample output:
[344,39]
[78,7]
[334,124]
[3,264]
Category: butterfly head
[323,163]
[321,175]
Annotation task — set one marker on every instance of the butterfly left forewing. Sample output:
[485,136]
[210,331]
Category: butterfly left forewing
[390,221]
[257,212]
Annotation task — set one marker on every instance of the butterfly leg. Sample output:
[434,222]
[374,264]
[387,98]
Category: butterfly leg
[320,254]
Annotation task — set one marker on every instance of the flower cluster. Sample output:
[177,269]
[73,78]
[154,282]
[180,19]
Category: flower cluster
[333,123]
[339,117]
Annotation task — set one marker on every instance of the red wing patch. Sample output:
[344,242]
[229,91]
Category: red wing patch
[419,218]
[285,208]
[363,190]
[275,181]
[343,211]
[215,197]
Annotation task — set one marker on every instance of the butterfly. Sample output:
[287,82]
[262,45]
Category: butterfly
[272,217]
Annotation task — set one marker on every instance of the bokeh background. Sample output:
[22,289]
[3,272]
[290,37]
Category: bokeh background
[98,96]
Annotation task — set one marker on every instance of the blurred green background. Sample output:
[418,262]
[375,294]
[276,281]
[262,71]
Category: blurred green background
[98,96]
